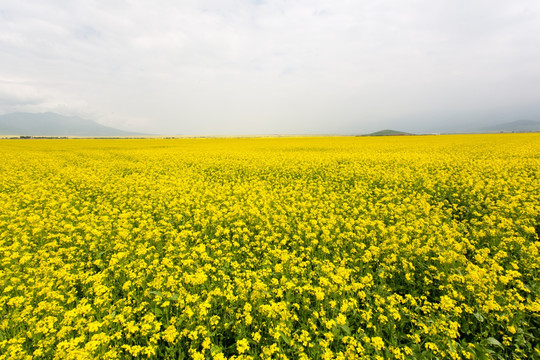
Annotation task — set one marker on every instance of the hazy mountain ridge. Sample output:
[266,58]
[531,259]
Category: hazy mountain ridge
[455,127]
[514,126]
[518,126]
[52,124]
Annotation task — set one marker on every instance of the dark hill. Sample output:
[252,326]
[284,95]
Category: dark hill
[388,133]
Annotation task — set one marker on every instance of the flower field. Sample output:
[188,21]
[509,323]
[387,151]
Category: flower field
[271,248]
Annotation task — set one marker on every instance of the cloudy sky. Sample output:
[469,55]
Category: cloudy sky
[266,67]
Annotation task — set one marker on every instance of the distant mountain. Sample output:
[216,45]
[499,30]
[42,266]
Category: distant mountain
[514,126]
[388,133]
[51,124]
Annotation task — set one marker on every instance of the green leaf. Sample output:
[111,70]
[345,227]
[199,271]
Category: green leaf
[479,317]
[451,346]
[286,338]
[346,329]
[493,341]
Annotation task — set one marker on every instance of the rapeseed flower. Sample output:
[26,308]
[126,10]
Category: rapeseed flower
[297,248]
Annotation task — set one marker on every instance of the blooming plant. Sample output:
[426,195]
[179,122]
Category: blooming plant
[271,248]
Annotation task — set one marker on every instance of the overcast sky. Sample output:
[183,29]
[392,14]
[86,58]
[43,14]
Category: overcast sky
[263,67]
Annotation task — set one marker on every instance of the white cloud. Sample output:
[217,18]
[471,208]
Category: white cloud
[268,66]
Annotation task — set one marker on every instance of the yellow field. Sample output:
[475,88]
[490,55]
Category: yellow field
[285,248]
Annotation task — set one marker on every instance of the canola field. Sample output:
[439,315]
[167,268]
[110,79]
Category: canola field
[421,247]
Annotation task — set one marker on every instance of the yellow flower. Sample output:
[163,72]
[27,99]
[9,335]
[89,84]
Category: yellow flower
[242,346]
[170,334]
[377,342]
[256,336]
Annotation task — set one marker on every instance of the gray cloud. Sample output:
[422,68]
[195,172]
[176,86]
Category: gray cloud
[271,66]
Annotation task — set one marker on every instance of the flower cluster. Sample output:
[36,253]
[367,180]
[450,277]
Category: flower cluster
[270,248]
